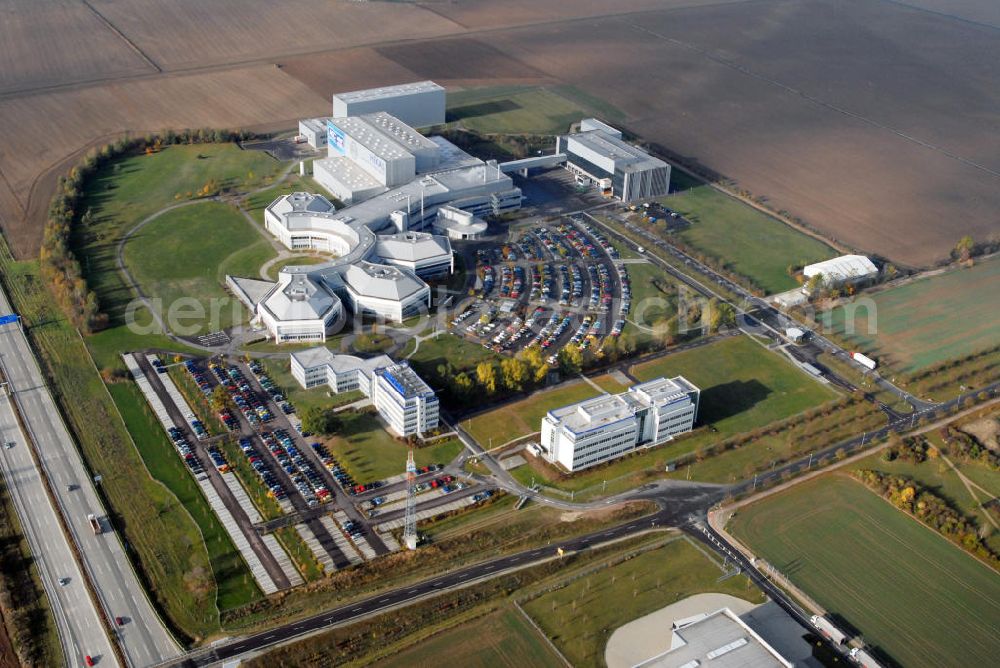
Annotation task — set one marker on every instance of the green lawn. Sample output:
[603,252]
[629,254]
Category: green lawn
[930,320]
[258,201]
[129,189]
[885,574]
[503,638]
[580,617]
[300,260]
[183,256]
[520,418]
[371,453]
[513,110]
[750,242]
[743,386]
[236,586]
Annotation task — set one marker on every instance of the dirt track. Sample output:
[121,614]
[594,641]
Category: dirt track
[873,122]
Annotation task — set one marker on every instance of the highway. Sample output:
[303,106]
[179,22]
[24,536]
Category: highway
[143,638]
[80,628]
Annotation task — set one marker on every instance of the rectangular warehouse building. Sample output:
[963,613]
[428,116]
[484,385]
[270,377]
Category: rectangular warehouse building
[420,103]
[599,153]
[610,425]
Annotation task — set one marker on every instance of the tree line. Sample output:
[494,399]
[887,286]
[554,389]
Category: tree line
[59,265]
[920,502]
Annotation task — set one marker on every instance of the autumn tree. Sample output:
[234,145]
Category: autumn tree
[220,399]
[571,359]
[964,248]
[486,374]
[514,373]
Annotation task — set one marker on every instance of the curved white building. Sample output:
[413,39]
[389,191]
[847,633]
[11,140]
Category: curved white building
[397,182]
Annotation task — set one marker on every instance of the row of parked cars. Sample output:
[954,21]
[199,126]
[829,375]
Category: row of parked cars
[305,478]
[271,388]
[186,452]
[339,473]
[247,401]
[275,489]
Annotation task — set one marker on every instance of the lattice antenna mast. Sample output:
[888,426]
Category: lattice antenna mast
[410,519]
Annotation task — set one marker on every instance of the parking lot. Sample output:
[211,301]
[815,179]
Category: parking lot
[549,285]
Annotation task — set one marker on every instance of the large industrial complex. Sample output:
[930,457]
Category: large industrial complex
[394,182]
[597,430]
[405,401]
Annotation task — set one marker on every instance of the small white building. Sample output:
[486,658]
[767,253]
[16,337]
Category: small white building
[401,397]
[608,426]
[455,223]
[846,269]
[314,130]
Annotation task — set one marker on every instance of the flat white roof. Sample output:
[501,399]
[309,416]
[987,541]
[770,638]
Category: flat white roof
[405,380]
[606,409]
[842,268]
[347,172]
[399,131]
[412,247]
[320,356]
[375,141]
[624,154]
[383,92]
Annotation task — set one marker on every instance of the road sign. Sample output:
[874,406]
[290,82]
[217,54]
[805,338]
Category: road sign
[7,319]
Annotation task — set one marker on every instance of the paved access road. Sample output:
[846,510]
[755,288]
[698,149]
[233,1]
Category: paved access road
[80,628]
[143,637]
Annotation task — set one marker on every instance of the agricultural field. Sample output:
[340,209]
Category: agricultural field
[513,110]
[370,453]
[127,191]
[521,418]
[912,578]
[581,616]
[186,253]
[740,237]
[845,174]
[926,321]
[502,639]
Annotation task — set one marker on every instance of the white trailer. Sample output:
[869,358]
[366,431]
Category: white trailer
[864,361]
[861,657]
[828,630]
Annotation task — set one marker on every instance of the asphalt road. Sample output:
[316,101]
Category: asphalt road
[80,627]
[679,502]
[143,638]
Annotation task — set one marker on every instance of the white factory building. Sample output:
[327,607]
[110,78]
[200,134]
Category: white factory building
[846,269]
[420,103]
[610,425]
[402,398]
[719,639]
[397,185]
[597,152]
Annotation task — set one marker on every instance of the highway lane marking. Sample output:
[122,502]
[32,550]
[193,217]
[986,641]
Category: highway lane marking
[383,600]
[412,591]
[356,609]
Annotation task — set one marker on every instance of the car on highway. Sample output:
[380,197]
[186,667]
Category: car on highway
[63,582]
[88,660]
[8,445]
[120,621]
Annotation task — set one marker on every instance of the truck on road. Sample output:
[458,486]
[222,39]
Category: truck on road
[864,361]
[828,630]
[95,524]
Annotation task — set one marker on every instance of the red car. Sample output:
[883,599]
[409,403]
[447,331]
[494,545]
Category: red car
[119,621]
[89,661]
